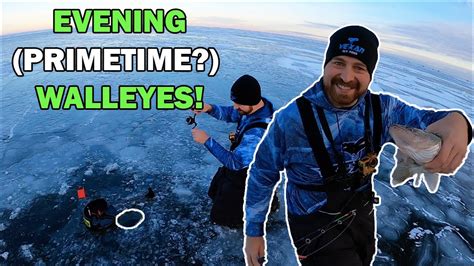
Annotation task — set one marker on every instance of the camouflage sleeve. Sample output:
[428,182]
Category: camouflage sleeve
[242,155]
[264,174]
[225,113]
[402,113]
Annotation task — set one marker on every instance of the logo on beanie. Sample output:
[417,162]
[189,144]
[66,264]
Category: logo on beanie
[350,47]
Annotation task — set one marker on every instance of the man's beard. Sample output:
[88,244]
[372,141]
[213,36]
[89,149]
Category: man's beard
[342,94]
[242,112]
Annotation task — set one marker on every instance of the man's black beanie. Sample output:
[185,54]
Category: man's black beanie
[246,91]
[354,41]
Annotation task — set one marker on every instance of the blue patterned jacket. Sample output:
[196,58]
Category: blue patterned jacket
[286,147]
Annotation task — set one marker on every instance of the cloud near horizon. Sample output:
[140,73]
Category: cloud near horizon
[446,38]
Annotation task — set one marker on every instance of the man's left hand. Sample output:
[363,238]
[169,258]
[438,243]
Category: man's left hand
[199,136]
[453,130]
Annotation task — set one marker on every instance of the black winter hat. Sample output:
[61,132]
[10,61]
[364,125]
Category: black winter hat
[246,91]
[354,41]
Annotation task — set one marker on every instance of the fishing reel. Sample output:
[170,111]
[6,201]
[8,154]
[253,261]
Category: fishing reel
[191,120]
[368,163]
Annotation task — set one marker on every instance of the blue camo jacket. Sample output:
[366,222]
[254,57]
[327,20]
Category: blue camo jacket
[241,156]
[285,147]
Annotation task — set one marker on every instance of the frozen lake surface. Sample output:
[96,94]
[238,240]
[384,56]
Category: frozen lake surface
[46,155]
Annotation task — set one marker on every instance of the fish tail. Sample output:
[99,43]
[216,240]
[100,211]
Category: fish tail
[432,181]
[401,172]
[399,176]
[417,182]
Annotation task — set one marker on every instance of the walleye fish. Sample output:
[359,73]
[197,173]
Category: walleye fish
[415,148]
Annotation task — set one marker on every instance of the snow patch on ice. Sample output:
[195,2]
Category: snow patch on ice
[4,255]
[182,191]
[111,167]
[71,170]
[15,213]
[89,172]
[133,154]
[26,252]
[63,189]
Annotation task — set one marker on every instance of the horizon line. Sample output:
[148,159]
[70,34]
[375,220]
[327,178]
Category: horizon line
[395,49]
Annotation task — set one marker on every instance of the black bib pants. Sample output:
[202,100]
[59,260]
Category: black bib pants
[320,240]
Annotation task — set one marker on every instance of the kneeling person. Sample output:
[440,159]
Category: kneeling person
[98,215]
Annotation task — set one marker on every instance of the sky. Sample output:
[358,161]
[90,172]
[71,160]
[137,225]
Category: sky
[435,30]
